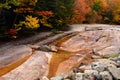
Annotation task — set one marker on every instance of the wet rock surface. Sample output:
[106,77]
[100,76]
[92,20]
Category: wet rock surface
[33,69]
[86,52]
[15,53]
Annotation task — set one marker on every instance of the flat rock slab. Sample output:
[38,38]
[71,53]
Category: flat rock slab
[103,42]
[34,68]
[13,56]
[14,53]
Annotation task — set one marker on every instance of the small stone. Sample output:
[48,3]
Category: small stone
[83,63]
[97,66]
[45,78]
[66,79]
[45,48]
[106,75]
[86,77]
[57,78]
[79,76]
[118,62]
[97,76]
[53,48]
[83,68]
[75,69]
[91,78]
[37,79]
[115,72]
[96,57]
[91,72]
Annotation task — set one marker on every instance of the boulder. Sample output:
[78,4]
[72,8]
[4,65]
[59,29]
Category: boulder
[115,72]
[97,66]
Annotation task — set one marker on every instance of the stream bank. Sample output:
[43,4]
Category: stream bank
[58,54]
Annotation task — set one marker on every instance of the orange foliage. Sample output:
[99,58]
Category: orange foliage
[84,12]
[104,4]
[82,7]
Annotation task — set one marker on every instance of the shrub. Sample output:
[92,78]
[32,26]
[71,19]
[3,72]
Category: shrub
[19,17]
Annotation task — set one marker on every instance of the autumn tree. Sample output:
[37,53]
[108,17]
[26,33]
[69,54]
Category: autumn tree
[82,8]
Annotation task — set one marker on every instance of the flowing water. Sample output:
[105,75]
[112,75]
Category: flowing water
[8,68]
[60,57]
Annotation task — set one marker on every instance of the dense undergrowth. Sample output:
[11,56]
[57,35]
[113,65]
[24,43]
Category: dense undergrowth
[22,17]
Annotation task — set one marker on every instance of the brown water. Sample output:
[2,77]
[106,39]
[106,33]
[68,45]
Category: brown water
[56,59]
[62,56]
[8,68]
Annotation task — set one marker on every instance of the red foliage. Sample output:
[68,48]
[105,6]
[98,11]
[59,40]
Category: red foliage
[12,31]
[44,13]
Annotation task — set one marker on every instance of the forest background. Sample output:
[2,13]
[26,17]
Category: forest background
[24,17]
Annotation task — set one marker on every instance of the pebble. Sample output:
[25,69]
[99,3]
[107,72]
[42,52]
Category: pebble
[83,63]
[54,48]
[79,76]
[96,57]
[91,72]
[97,66]
[49,48]
[97,77]
[118,62]
[45,78]
[57,78]
[75,70]
[84,67]
[106,75]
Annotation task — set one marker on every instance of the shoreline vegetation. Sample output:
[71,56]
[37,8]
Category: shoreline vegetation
[26,17]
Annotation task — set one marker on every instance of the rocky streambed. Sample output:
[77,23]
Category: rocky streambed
[85,52]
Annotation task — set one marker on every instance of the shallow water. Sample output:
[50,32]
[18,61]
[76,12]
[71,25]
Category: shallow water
[8,68]
[60,57]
